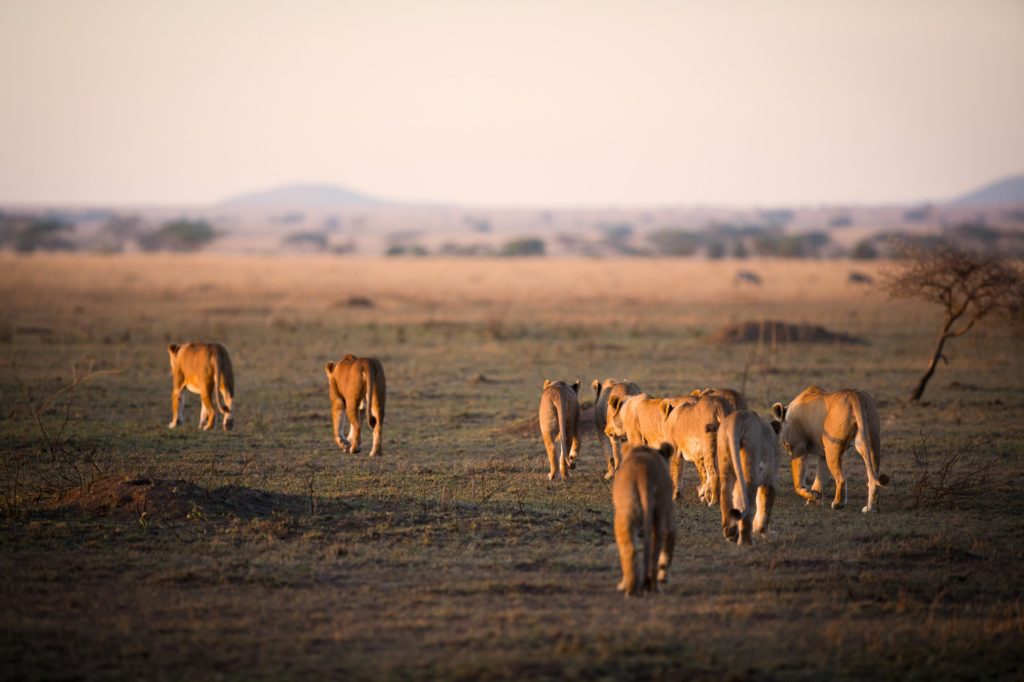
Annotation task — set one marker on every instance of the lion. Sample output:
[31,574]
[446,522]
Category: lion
[603,391]
[203,368]
[637,418]
[690,426]
[748,460]
[355,383]
[560,417]
[730,395]
[644,517]
[826,424]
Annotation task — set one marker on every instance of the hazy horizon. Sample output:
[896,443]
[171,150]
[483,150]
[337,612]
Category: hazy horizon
[510,104]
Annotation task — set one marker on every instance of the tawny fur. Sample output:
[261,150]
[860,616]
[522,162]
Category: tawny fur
[690,427]
[203,368]
[729,395]
[821,424]
[354,383]
[603,391]
[748,461]
[636,418]
[645,522]
[559,419]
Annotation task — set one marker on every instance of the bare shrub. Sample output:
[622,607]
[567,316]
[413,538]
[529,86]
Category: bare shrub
[946,477]
[57,464]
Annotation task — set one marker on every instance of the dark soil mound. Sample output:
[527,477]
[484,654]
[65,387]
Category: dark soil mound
[775,331]
[158,499]
[121,495]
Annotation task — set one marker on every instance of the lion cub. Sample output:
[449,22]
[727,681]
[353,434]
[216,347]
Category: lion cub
[203,368]
[560,418]
[645,522]
[354,383]
[748,460]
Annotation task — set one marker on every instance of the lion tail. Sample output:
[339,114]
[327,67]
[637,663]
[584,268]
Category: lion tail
[563,437]
[373,381]
[734,442]
[222,374]
[868,443]
[369,378]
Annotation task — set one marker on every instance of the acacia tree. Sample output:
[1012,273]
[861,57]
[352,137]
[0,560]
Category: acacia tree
[968,285]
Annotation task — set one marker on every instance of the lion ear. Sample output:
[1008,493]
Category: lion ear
[547,382]
[329,368]
[615,403]
[576,387]
[667,450]
[695,392]
[776,426]
[173,348]
[778,412]
[348,357]
[666,408]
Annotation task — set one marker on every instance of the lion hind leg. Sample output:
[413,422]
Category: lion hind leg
[820,477]
[747,517]
[226,402]
[177,406]
[574,450]
[834,459]
[563,459]
[765,502]
[668,544]
[676,471]
[613,458]
[336,415]
[354,430]
[627,537]
[549,446]
[378,446]
[207,416]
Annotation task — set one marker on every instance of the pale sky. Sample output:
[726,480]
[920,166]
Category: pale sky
[513,103]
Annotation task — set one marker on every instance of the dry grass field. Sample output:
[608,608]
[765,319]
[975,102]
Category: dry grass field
[128,550]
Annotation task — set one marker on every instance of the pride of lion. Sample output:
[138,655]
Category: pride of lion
[735,452]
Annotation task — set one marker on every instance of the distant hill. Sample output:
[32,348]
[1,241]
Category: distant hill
[1006,192]
[304,196]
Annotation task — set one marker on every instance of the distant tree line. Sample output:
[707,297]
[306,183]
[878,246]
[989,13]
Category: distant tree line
[26,233]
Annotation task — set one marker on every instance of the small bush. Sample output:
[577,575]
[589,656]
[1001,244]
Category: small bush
[523,247]
[947,477]
[674,242]
[179,235]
